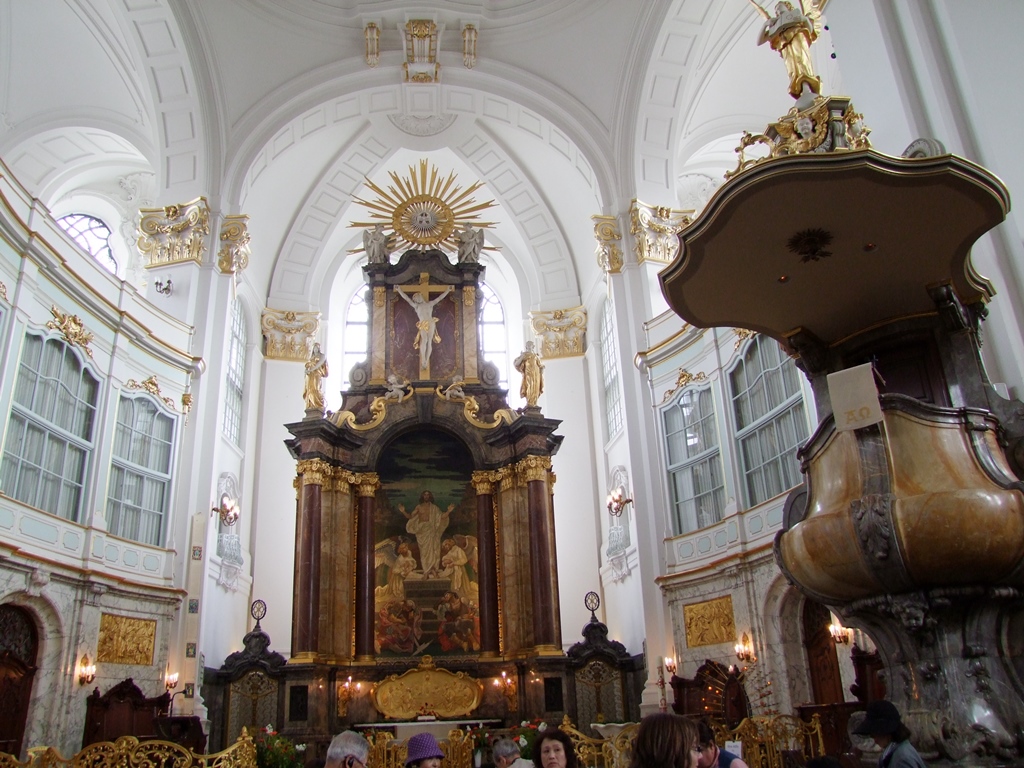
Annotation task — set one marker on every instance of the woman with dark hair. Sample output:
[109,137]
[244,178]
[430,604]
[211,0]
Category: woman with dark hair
[710,755]
[883,724]
[665,740]
[553,749]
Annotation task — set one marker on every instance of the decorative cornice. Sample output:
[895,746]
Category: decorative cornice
[313,471]
[151,386]
[175,233]
[562,332]
[654,228]
[289,335]
[72,328]
[233,256]
[609,239]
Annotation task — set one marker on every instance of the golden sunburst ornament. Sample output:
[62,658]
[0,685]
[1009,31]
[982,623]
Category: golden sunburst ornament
[424,209]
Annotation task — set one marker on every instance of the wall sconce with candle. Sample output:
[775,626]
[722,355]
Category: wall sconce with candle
[840,634]
[745,650]
[86,670]
[346,692]
[617,501]
[507,686]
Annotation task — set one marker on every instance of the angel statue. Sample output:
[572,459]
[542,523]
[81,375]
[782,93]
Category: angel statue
[791,31]
[470,242]
[377,245]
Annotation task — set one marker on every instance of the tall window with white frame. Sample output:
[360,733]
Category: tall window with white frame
[235,384]
[356,336]
[140,472]
[694,461]
[50,432]
[93,235]
[770,424]
[610,373]
[493,333]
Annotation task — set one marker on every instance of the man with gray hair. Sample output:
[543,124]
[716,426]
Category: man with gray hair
[506,755]
[348,750]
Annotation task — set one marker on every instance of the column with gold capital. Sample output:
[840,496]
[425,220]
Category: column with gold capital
[535,471]
[312,473]
[366,485]
[487,573]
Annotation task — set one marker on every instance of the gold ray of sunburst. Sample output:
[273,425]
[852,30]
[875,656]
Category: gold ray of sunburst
[424,209]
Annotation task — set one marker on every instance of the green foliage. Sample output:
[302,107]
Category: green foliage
[276,751]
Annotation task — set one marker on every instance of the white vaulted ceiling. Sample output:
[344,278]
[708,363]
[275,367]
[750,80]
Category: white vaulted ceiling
[268,108]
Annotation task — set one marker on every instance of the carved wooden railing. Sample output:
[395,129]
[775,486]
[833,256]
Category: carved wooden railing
[129,751]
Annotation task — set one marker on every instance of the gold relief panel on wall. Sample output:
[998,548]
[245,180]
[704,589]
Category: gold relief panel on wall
[710,622]
[124,640]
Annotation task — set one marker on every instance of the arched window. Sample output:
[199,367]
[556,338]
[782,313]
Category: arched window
[493,333]
[49,436]
[694,461]
[234,389]
[610,373]
[356,338]
[770,423]
[93,235]
[140,472]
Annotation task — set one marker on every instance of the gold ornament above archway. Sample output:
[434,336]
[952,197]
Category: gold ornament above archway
[424,208]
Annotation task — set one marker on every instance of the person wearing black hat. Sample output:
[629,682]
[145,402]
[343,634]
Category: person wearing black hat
[883,724]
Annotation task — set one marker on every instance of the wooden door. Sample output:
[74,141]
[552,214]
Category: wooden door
[18,649]
[822,661]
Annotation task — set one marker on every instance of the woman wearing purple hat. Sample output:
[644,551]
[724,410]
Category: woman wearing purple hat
[883,724]
[423,752]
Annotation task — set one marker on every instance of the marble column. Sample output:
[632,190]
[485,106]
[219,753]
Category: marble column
[535,471]
[366,490]
[306,606]
[487,576]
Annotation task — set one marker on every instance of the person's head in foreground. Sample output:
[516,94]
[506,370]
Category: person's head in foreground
[553,749]
[505,752]
[709,755]
[882,722]
[347,750]
[665,740]
[423,752]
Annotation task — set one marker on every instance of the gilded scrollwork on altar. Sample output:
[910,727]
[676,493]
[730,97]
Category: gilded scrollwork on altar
[609,243]
[562,332]
[233,256]
[427,690]
[709,622]
[175,233]
[655,230]
[289,335]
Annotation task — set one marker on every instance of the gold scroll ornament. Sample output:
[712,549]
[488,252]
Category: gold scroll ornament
[426,690]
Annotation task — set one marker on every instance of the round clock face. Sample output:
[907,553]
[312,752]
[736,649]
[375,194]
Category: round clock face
[592,601]
[259,609]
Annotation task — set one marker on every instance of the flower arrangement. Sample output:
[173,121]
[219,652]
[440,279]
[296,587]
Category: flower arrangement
[276,751]
[526,734]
